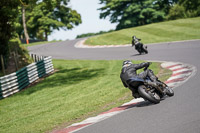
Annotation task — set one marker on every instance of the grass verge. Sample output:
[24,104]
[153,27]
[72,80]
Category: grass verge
[176,30]
[79,89]
[38,43]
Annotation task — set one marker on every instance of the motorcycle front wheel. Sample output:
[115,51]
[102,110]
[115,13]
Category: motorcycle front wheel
[152,97]
[169,91]
[145,49]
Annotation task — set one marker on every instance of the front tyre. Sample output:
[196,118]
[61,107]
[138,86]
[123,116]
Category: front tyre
[145,49]
[169,91]
[144,93]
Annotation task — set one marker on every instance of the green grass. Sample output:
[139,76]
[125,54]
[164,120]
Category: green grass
[37,43]
[80,89]
[182,29]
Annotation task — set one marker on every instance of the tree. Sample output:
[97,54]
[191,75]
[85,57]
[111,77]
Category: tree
[54,14]
[184,9]
[9,12]
[46,16]
[20,24]
[176,12]
[24,24]
[165,5]
[129,13]
[192,6]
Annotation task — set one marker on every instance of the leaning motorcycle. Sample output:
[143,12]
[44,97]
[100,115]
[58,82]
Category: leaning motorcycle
[148,91]
[139,46]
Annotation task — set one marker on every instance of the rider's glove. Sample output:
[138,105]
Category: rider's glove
[149,63]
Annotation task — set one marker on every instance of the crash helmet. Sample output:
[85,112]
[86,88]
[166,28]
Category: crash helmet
[126,63]
[134,37]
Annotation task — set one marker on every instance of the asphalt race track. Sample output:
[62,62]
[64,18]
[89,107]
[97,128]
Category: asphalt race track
[178,114]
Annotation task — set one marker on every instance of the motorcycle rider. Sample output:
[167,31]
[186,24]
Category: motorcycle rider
[138,45]
[135,41]
[129,70]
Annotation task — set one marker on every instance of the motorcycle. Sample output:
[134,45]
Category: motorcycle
[146,89]
[139,46]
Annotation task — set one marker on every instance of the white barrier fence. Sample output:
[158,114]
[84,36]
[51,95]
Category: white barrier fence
[16,81]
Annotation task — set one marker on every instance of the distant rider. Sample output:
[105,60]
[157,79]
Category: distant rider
[136,42]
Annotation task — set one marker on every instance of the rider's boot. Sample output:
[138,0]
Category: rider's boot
[154,84]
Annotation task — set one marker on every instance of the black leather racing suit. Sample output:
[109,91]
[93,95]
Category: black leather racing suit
[138,45]
[130,71]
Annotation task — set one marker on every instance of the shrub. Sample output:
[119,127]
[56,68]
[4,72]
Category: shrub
[176,12]
[17,54]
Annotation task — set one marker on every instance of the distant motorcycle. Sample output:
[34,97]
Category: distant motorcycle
[139,46]
[145,89]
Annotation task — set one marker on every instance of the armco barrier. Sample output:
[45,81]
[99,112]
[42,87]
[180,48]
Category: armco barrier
[16,81]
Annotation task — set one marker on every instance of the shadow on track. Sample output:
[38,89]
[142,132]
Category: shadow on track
[140,104]
[138,54]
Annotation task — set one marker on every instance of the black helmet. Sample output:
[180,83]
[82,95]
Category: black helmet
[126,62]
[134,37]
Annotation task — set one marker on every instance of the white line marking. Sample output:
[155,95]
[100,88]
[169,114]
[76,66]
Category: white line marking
[178,76]
[176,67]
[181,70]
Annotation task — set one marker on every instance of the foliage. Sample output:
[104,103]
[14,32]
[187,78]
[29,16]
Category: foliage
[191,6]
[43,16]
[16,52]
[15,46]
[46,16]
[21,54]
[176,12]
[8,11]
[8,37]
[129,13]
[184,9]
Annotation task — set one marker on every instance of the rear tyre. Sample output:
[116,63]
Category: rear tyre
[152,97]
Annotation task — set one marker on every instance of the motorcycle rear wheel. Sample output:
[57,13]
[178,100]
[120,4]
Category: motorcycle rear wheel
[152,97]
